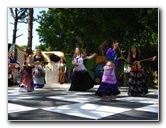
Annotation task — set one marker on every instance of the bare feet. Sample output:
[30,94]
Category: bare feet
[104,98]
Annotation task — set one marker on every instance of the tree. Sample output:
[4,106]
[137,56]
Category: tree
[30,27]
[64,28]
[19,15]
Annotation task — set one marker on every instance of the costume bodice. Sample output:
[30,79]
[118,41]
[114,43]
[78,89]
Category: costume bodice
[80,63]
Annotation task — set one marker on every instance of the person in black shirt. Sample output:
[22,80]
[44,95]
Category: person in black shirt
[38,73]
[137,83]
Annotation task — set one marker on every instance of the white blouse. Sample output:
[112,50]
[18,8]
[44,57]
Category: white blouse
[79,63]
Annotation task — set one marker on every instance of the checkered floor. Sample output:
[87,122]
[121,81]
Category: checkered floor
[56,103]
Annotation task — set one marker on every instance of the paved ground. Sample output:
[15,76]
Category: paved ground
[55,103]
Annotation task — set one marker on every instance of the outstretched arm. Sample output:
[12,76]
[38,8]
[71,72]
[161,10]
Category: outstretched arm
[92,56]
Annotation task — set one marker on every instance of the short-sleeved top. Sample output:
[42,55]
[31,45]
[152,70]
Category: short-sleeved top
[80,61]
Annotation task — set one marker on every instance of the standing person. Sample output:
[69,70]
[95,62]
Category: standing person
[108,88]
[81,80]
[137,83]
[26,73]
[14,67]
[61,71]
[38,73]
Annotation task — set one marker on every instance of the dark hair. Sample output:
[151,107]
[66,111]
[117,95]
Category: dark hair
[106,45]
[12,54]
[29,51]
[130,53]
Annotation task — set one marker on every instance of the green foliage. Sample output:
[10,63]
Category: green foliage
[62,29]
[90,67]
[69,62]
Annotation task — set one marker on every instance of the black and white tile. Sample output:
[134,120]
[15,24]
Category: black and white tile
[55,102]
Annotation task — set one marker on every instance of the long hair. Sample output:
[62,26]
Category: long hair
[37,51]
[130,52]
[29,51]
[106,45]
[81,52]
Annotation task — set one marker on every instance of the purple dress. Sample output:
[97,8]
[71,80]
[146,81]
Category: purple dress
[108,84]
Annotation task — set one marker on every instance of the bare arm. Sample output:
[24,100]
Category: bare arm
[92,56]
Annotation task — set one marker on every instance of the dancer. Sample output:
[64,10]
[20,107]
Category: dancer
[137,82]
[81,80]
[108,88]
[61,71]
[38,73]
[26,73]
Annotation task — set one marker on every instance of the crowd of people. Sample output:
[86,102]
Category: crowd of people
[33,76]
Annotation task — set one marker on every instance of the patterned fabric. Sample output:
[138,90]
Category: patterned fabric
[80,63]
[108,84]
[109,75]
[38,77]
[81,80]
[137,83]
[38,72]
[27,83]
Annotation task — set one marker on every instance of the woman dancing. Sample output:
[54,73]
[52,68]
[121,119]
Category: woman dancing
[108,87]
[81,80]
[38,73]
[26,73]
[137,81]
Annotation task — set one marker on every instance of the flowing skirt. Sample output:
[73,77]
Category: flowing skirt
[107,89]
[108,84]
[26,79]
[81,81]
[137,83]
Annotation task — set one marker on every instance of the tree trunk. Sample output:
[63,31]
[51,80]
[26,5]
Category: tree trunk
[30,27]
[14,31]
[15,25]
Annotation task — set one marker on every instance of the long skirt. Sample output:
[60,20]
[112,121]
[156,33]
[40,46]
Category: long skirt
[107,89]
[81,81]
[26,79]
[38,77]
[61,76]
[137,83]
[108,84]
